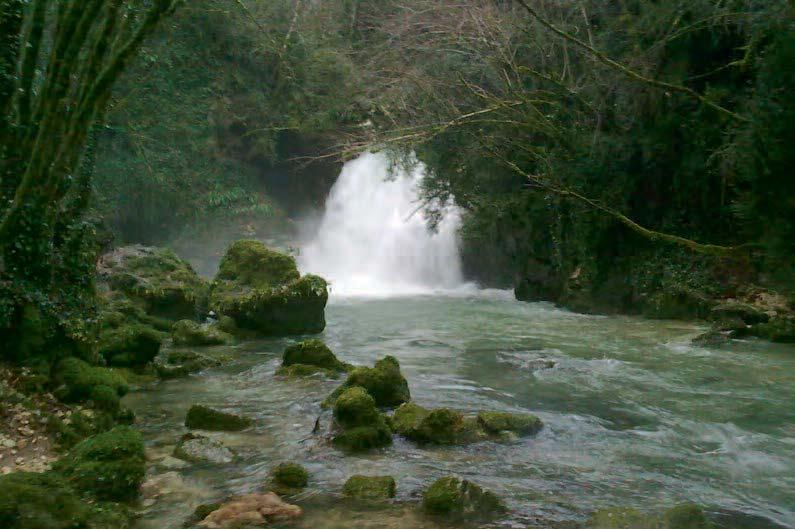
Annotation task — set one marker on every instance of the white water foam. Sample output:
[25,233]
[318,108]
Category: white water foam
[373,239]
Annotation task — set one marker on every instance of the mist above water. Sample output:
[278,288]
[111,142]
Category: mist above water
[374,241]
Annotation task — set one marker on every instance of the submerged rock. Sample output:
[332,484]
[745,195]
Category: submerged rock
[165,285]
[362,426]
[686,516]
[177,364]
[495,422]
[621,518]
[289,477]
[262,291]
[308,358]
[455,497]
[370,487]
[200,449]
[250,510]
[205,418]
[444,426]
[384,382]
[109,466]
[188,332]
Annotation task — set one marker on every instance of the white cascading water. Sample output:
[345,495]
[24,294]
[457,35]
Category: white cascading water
[373,240]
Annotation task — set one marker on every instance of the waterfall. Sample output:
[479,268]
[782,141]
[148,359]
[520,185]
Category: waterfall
[373,240]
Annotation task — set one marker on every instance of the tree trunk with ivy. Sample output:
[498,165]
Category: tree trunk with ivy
[58,63]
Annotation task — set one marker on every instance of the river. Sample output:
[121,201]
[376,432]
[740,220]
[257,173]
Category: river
[634,414]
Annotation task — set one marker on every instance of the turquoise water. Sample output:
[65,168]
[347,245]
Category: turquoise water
[634,415]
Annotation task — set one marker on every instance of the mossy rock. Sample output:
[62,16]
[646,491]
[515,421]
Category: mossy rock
[621,518]
[363,427]
[289,477]
[109,466]
[132,345]
[179,364]
[439,426]
[312,353]
[495,422]
[204,418]
[363,438]
[370,488]
[303,370]
[454,497]
[47,501]
[734,310]
[384,382]
[780,329]
[251,263]
[355,407]
[295,308]
[79,381]
[678,304]
[166,285]
[191,333]
[686,516]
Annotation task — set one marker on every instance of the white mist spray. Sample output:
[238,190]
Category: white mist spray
[373,241]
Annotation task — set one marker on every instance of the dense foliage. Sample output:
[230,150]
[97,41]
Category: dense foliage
[603,151]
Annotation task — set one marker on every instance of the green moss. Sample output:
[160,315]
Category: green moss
[313,353]
[251,263]
[77,380]
[679,303]
[440,426]
[290,476]
[180,364]
[407,419]
[204,418]
[43,501]
[105,398]
[363,427]
[167,286]
[452,496]
[355,407]
[187,332]
[363,438]
[303,370]
[295,308]
[780,329]
[686,516]
[495,422]
[109,466]
[370,487]
[133,345]
[621,518]
[384,382]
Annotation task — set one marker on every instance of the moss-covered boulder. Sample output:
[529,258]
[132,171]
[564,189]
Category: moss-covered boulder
[192,333]
[133,345]
[205,418]
[495,422]
[262,291]
[686,516]
[181,363]
[77,381]
[455,497]
[737,310]
[370,488]
[166,285]
[289,477]
[47,501]
[780,329]
[680,303]
[360,426]
[200,449]
[109,466]
[312,353]
[384,382]
[438,426]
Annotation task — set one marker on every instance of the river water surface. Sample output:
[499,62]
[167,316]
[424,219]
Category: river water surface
[634,415]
